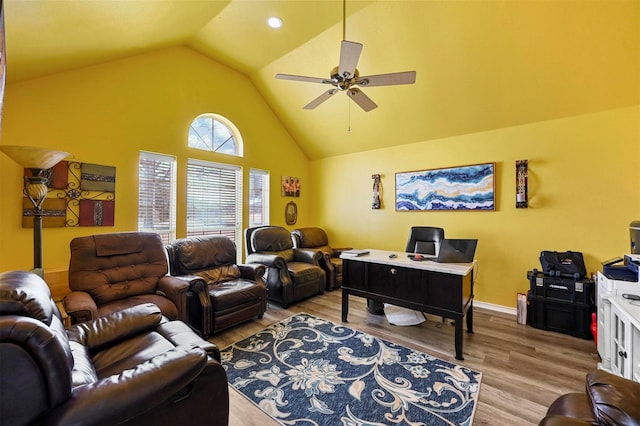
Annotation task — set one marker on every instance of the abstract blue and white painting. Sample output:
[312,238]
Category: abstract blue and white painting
[455,188]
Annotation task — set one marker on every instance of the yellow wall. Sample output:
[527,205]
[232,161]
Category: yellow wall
[584,188]
[106,114]
[584,182]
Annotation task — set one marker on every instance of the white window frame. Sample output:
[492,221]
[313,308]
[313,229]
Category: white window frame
[258,195]
[168,232]
[217,121]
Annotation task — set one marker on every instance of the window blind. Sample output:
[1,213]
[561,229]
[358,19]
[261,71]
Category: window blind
[258,197]
[157,195]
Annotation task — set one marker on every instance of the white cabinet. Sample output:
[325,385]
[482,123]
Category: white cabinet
[625,337]
[605,289]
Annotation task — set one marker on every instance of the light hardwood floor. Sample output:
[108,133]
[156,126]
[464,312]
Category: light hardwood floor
[523,369]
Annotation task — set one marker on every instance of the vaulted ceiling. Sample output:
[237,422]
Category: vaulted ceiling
[481,64]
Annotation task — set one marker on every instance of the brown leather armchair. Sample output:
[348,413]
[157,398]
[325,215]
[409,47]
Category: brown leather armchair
[313,238]
[221,293]
[292,274]
[608,400]
[110,272]
[128,367]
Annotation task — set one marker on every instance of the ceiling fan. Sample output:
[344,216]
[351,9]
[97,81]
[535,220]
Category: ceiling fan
[346,75]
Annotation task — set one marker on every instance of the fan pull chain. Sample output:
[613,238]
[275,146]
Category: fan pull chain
[349,115]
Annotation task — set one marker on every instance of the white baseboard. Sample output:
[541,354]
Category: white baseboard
[494,307]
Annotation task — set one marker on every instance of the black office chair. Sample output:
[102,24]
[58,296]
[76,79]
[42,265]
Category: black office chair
[423,239]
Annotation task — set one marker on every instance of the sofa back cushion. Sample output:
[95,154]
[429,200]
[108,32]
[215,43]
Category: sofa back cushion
[312,237]
[117,265]
[273,240]
[202,253]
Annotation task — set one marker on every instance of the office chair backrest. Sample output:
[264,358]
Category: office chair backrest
[424,239]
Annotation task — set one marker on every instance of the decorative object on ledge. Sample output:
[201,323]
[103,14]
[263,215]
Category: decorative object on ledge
[453,188]
[290,186]
[38,161]
[522,184]
[79,194]
[376,192]
[291,213]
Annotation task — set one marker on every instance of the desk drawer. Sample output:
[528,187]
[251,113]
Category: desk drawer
[392,281]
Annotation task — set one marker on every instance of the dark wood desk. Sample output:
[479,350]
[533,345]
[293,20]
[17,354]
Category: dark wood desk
[443,289]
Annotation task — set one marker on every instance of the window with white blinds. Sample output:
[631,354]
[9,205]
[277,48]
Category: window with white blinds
[258,197]
[214,199]
[157,195]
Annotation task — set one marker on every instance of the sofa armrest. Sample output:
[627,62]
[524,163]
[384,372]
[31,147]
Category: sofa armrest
[338,251]
[615,400]
[266,259]
[116,326]
[175,290]
[307,256]
[252,271]
[80,306]
[128,394]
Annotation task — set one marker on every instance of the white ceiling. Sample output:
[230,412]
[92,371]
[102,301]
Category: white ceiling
[481,64]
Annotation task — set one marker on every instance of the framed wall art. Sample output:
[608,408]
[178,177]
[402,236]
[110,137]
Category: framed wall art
[290,186]
[453,188]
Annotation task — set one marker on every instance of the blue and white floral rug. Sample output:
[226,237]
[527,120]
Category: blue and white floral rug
[309,371]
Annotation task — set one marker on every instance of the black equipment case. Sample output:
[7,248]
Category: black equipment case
[561,304]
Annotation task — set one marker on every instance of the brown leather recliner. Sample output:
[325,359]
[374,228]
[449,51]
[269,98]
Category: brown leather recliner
[608,400]
[292,274]
[110,272]
[221,293]
[128,367]
[314,238]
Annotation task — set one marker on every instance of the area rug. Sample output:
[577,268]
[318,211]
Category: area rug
[306,370]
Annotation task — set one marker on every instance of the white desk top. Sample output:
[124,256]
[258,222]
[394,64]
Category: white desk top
[401,259]
[631,307]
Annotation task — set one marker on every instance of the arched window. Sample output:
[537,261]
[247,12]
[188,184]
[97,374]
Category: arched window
[212,132]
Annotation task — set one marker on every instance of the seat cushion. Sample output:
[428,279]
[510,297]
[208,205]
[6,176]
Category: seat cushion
[234,293]
[304,272]
[221,273]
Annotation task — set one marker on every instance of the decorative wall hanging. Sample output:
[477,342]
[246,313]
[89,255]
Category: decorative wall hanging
[290,186]
[375,204]
[291,213]
[80,194]
[454,188]
[522,185]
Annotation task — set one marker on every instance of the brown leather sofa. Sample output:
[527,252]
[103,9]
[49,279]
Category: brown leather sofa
[221,293]
[110,272]
[128,367]
[608,400]
[292,274]
[314,238]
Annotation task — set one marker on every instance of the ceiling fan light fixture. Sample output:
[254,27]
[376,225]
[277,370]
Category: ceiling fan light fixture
[274,22]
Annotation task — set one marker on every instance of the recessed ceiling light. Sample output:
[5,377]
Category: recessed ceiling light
[274,22]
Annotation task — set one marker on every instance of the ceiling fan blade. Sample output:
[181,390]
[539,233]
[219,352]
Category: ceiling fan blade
[361,99]
[349,56]
[320,99]
[302,78]
[406,77]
